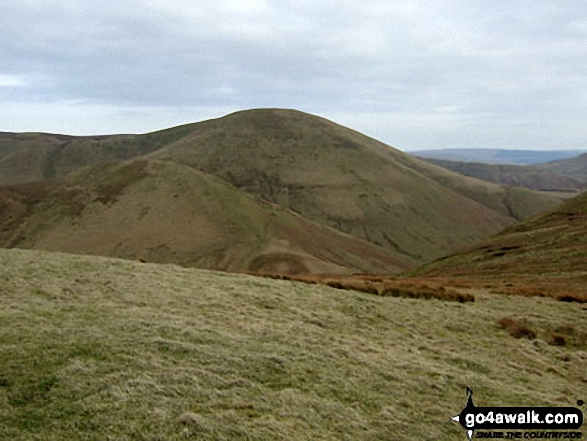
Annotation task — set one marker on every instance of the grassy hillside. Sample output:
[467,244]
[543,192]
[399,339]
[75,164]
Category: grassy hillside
[29,157]
[166,212]
[339,177]
[545,254]
[326,173]
[576,167]
[516,175]
[95,348]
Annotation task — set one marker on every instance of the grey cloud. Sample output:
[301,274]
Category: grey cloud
[458,66]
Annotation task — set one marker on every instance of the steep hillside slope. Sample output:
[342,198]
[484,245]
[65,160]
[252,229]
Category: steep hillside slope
[531,177]
[166,212]
[548,250]
[356,184]
[95,349]
[325,172]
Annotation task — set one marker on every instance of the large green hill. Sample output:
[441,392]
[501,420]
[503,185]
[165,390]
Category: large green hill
[326,173]
[339,177]
[169,213]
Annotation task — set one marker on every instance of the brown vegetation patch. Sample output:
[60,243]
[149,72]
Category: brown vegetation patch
[557,340]
[570,297]
[562,335]
[380,285]
[427,292]
[567,335]
[279,263]
[354,285]
[517,328]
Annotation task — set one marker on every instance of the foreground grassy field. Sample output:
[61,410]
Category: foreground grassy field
[97,348]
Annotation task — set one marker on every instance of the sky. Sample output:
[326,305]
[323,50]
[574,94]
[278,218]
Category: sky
[413,74]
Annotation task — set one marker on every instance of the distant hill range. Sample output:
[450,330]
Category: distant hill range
[498,156]
[575,167]
[262,190]
[566,175]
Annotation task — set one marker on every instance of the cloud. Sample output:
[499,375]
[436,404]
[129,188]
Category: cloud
[11,81]
[490,62]
[81,118]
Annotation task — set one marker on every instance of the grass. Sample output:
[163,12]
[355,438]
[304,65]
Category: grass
[96,348]
[166,212]
[543,256]
[380,285]
[532,177]
[516,328]
[326,173]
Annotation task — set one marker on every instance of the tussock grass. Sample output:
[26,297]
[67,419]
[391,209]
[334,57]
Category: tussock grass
[95,348]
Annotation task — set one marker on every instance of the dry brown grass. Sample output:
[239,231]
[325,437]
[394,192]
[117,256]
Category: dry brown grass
[571,297]
[381,286]
[451,288]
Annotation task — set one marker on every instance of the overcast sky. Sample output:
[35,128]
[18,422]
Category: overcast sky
[414,74]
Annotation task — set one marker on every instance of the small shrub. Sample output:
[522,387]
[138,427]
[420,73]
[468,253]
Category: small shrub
[566,329]
[462,298]
[390,291]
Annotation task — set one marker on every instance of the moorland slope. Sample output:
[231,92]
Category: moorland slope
[326,173]
[169,213]
[96,348]
[547,252]
[576,167]
[532,177]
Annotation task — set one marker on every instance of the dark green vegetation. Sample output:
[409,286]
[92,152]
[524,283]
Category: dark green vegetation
[96,349]
[545,255]
[546,177]
[293,177]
